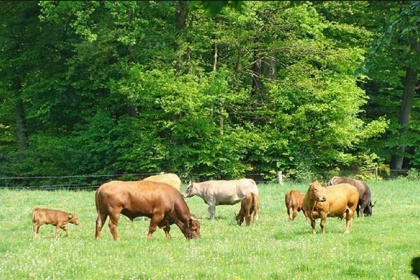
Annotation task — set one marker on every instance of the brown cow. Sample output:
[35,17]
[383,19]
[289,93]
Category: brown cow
[58,218]
[335,201]
[249,209]
[364,206]
[294,203]
[168,178]
[158,201]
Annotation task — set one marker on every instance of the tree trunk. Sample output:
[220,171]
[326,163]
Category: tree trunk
[181,15]
[410,82]
[269,67]
[21,130]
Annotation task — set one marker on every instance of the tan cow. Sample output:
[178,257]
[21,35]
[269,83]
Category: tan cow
[221,192]
[168,178]
[250,205]
[365,205]
[58,218]
[294,203]
[163,204]
[335,201]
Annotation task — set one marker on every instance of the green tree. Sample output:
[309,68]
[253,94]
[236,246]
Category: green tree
[393,67]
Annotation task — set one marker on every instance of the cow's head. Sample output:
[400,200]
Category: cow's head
[73,219]
[317,192]
[333,181]
[239,218]
[192,229]
[368,210]
[190,191]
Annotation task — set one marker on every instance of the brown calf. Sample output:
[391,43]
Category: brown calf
[249,209]
[58,218]
[294,203]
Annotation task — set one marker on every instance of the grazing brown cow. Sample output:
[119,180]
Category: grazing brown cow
[364,206]
[163,204]
[335,201]
[168,178]
[294,203]
[249,209]
[58,218]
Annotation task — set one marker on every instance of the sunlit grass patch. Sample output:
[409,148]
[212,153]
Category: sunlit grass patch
[378,247]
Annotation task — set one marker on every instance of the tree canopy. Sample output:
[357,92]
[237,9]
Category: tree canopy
[216,89]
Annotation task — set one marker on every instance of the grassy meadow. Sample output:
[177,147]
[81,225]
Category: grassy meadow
[378,247]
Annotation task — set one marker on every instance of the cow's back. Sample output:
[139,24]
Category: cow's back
[361,186]
[136,197]
[245,186]
[229,191]
[49,216]
[342,196]
[168,178]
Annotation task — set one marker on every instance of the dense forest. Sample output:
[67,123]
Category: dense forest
[218,89]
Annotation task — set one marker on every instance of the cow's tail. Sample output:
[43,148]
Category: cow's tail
[97,201]
[255,206]
[291,202]
[253,203]
[33,214]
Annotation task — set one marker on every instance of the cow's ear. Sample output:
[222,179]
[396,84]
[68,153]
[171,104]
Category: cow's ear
[191,221]
[70,216]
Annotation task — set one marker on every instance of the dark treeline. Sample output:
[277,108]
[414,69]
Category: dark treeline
[209,89]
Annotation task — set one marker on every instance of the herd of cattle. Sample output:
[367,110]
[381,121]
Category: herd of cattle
[159,198]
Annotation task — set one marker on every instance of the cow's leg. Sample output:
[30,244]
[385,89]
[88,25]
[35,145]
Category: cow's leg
[65,229]
[254,217]
[113,223]
[323,222]
[358,208]
[313,226]
[212,210]
[248,218]
[289,213]
[349,219]
[363,205]
[57,230]
[154,222]
[36,229]
[294,214]
[167,229]
[100,221]
[348,225]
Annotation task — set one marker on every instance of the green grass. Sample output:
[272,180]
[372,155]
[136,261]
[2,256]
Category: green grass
[378,247]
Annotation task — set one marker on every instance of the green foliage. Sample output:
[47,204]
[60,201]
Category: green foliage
[242,87]
[413,175]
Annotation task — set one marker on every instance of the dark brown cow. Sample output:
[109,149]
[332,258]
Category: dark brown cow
[250,205]
[163,204]
[365,204]
[335,201]
[294,203]
[58,218]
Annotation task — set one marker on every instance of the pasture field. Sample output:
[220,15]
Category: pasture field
[378,247]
